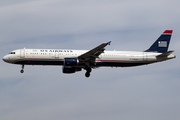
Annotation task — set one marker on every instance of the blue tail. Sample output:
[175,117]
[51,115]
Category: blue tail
[162,43]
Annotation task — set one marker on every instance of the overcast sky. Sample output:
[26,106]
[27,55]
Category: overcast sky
[149,92]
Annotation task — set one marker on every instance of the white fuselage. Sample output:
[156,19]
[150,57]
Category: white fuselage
[56,57]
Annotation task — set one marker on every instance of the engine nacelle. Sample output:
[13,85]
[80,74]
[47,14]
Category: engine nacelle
[69,69]
[70,61]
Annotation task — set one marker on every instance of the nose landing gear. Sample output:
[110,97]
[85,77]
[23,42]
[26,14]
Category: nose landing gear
[22,71]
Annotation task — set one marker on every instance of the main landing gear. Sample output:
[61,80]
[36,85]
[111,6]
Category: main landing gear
[88,71]
[22,71]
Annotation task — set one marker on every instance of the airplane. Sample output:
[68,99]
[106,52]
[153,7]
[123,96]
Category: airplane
[76,60]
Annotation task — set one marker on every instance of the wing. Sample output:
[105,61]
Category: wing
[90,56]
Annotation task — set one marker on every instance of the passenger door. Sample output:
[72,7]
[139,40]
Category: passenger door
[22,53]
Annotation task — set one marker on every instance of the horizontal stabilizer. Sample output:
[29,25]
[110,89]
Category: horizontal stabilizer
[165,54]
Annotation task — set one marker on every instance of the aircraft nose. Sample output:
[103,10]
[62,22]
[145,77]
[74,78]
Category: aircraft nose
[5,59]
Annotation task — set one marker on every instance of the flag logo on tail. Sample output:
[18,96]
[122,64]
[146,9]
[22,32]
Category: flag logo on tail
[162,43]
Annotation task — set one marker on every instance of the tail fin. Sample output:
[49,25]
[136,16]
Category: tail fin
[162,43]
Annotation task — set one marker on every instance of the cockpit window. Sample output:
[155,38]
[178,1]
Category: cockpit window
[12,53]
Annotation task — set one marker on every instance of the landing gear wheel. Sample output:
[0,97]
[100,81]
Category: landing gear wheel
[88,71]
[22,71]
[87,74]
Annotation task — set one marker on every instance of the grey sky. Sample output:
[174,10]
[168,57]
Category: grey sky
[44,92]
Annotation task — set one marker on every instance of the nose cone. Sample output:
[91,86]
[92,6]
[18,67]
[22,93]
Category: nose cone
[6,59]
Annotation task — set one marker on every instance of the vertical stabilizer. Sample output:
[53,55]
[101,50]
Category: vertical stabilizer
[162,43]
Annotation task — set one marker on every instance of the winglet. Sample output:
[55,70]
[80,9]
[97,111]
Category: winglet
[109,43]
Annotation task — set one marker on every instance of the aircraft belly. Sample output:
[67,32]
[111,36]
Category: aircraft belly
[120,64]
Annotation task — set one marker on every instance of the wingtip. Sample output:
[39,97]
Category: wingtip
[109,43]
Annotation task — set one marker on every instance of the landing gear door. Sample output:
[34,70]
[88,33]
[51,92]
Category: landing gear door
[22,53]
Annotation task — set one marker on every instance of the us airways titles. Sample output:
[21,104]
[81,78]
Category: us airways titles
[56,51]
